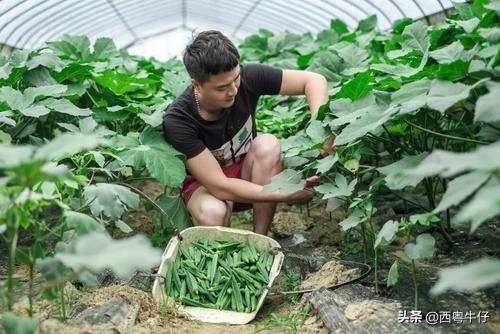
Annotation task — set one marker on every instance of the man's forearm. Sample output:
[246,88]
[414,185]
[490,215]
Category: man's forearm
[242,191]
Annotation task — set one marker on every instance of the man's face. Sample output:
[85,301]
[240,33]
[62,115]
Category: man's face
[220,90]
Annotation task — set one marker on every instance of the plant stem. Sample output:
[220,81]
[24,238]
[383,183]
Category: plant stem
[415,283]
[363,234]
[447,136]
[30,296]
[63,303]
[11,258]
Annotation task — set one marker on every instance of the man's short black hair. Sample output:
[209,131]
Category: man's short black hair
[210,53]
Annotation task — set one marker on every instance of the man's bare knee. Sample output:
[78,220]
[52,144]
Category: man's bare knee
[212,212]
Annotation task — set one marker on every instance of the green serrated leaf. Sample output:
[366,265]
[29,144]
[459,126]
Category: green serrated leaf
[340,188]
[286,182]
[110,199]
[475,275]
[398,173]
[325,164]
[354,219]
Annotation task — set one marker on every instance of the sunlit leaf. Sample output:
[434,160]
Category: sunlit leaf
[485,158]
[487,105]
[483,206]
[460,188]
[423,248]
[393,276]
[475,275]
[397,173]
[386,234]
[123,257]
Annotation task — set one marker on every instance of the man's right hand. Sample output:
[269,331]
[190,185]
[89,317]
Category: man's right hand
[305,195]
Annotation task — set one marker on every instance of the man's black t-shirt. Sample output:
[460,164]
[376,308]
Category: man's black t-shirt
[229,136]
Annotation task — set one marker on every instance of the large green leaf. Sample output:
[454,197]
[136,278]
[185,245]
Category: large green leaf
[66,107]
[68,144]
[316,131]
[286,182]
[162,160]
[176,83]
[156,118]
[325,164]
[483,206]
[96,252]
[339,26]
[401,70]
[347,110]
[35,111]
[104,48]
[49,60]
[422,248]
[340,188]
[110,199]
[416,37]
[357,87]
[397,173]
[487,105]
[444,94]
[468,25]
[461,188]
[176,210]
[369,122]
[327,63]
[121,83]
[74,47]
[445,163]
[14,98]
[475,275]
[387,233]
[368,24]
[412,96]
[450,53]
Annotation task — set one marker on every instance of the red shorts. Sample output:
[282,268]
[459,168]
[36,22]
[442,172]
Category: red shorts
[233,171]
